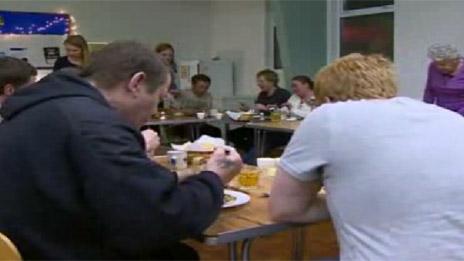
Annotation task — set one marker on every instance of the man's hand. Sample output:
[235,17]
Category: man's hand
[152,141]
[260,107]
[226,163]
[286,105]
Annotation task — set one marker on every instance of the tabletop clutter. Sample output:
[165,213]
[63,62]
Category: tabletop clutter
[190,158]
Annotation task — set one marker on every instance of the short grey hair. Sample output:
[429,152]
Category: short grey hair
[439,52]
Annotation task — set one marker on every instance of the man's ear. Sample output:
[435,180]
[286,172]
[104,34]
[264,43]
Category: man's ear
[135,83]
[8,89]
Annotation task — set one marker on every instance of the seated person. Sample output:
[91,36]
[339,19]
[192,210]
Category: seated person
[270,93]
[80,185]
[14,74]
[301,102]
[196,99]
[391,167]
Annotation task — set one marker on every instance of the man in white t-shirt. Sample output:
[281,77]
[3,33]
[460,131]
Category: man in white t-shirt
[392,168]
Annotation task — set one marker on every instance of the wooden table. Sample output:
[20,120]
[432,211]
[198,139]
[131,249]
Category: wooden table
[193,123]
[261,128]
[243,224]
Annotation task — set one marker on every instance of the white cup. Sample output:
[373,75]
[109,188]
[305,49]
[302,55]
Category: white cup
[218,116]
[177,159]
[266,163]
[201,115]
[268,166]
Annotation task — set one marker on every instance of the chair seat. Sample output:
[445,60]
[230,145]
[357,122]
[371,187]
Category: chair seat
[8,250]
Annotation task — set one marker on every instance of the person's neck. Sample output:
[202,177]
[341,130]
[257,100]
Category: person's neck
[305,96]
[75,61]
[271,91]
[114,100]
[198,95]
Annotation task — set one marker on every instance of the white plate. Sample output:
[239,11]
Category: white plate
[240,198]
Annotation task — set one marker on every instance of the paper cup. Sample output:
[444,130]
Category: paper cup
[218,116]
[177,159]
[201,115]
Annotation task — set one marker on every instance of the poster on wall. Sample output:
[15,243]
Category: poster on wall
[51,54]
[187,69]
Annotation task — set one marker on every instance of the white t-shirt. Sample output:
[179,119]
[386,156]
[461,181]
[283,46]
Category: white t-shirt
[393,171]
[298,106]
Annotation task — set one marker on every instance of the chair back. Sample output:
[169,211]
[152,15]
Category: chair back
[8,250]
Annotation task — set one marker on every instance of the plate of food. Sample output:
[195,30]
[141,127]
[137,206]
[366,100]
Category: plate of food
[234,198]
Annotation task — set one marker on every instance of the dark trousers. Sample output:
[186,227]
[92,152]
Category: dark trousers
[243,139]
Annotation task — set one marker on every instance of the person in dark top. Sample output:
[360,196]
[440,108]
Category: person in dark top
[14,74]
[271,94]
[77,53]
[77,183]
[167,55]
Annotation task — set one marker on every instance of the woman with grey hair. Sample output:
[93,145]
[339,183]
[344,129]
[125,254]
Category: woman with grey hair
[445,83]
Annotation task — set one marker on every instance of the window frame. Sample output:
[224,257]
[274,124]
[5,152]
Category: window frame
[335,13]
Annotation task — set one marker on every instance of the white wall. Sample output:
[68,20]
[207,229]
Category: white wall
[234,30]
[418,24]
[239,33]
[186,24]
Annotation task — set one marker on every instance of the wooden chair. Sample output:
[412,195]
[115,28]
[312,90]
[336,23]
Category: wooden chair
[8,250]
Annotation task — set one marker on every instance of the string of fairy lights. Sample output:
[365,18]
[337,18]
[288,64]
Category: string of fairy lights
[68,20]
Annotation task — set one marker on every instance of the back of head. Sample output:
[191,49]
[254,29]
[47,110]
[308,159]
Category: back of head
[356,77]
[119,61]
[15,72]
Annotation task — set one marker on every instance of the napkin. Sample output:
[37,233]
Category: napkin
[236,115]
[203,144]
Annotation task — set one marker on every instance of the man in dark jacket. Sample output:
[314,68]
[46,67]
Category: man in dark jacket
[76,183]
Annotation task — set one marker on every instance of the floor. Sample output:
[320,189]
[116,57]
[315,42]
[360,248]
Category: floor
[320,243]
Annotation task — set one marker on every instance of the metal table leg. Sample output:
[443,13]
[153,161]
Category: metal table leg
[232,251]
[225,132]
[246,246]
[197,131]
[298,243]
[163,135]
[257,141]
[194,131]
[263,142]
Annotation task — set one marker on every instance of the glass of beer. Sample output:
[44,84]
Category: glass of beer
[249,177]
[275,114]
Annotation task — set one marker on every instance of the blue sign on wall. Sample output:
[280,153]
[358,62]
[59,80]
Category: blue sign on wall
[33,23]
